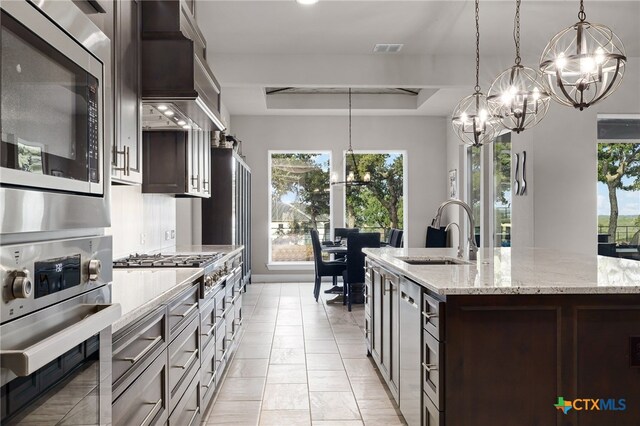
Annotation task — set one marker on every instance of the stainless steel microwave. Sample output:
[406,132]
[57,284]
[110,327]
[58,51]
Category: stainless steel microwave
[54,121]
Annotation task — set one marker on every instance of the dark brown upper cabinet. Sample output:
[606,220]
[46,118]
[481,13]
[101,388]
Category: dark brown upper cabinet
[177,163]
[126,153]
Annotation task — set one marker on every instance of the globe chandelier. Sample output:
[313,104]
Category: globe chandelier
[517,97]
[583,64]
[472,120]
[353,177]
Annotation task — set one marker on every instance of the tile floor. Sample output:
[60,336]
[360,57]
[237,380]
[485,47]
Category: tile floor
[301,363]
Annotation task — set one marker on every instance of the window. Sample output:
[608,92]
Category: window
[474,161]
[378,206]
[502,190]
[300,200]
[619,186]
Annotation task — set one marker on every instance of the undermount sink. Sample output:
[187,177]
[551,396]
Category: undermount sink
[434,261]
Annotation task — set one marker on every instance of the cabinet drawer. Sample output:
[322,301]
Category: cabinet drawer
[433,316]
[145,402]
[208,377]
[432,366]
[182,309]
[367,297]
[368,330]
[220,301]
[207,326]
[135,348]
[184,357]
[221,350]
[188,410]
[430,414]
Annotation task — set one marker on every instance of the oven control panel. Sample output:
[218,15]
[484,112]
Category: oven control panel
[37,275]
[54,275]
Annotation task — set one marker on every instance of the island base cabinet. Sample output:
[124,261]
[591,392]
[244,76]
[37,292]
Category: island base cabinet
[146,401]
[511,357]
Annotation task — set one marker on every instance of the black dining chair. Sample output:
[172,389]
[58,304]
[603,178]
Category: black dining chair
[324,268]
[396,238]
[353,275]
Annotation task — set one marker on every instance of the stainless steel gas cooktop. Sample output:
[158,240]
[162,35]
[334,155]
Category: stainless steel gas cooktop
[177,260]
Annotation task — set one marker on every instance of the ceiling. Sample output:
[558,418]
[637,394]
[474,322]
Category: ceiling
[249,40]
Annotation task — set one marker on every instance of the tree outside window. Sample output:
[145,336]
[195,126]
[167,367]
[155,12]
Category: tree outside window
[378,206]
[619,186]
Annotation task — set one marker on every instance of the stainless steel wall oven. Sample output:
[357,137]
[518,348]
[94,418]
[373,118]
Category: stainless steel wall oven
[56,316]
[55,125]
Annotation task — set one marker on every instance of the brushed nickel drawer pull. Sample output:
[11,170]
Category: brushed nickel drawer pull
[213,376]
[188,311]
[207,334]
[429,315]
[144,351]
[191,358]
[195,414]
[152,413]
[430,367]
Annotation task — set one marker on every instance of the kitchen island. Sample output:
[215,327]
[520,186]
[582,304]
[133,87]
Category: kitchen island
[500,339]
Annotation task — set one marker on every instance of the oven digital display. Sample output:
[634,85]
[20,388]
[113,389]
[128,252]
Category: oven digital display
[54,275]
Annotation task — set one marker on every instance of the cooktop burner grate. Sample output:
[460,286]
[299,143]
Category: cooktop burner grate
[166,260]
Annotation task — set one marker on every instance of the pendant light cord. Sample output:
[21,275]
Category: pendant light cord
[516,31]
[477,88]
[581,15]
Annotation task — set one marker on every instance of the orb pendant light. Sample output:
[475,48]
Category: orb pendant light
[583,64]
[472,120]
[518,97]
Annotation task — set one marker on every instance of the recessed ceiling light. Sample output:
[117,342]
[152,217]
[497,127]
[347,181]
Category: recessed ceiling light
[168,113]
[307,2]
[162,107]
[182,122]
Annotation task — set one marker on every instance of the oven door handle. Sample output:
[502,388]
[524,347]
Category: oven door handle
[25,361]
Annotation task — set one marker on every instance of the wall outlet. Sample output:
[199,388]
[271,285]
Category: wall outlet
[142,238]
[173,234]
[167,235]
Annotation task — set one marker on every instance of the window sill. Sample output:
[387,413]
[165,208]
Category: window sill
[291,266]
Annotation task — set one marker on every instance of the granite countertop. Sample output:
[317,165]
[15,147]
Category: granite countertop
[515,271]
[141,290]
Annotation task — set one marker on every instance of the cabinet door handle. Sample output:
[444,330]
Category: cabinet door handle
[116,153]
[213,376]
[144,351]
[429,315]
[152,412]
[430,367]
[127,161]
[193,417]
[191,358]
[187,312]
[208,333]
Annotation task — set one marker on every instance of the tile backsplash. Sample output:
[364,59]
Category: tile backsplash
[141,223]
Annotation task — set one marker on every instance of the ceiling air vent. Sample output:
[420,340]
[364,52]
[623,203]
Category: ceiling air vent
[387,48]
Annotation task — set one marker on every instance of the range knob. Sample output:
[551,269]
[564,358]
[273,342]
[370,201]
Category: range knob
[21,287]
[94,269]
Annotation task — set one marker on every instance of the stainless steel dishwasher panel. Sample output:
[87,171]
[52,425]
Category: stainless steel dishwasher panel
[410,346]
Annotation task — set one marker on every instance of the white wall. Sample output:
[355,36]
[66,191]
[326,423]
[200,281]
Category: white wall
[560,210]
[139,221]
[423,138]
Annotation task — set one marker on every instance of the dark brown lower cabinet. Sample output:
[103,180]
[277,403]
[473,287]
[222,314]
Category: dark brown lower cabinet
[509,358]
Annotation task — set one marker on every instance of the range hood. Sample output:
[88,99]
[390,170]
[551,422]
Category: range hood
[179,91]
